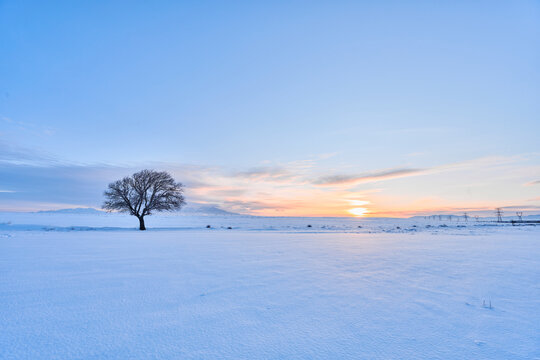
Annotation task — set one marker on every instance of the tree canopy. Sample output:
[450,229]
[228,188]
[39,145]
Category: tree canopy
[144,192]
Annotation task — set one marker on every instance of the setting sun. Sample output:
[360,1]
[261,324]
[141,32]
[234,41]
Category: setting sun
[358,211]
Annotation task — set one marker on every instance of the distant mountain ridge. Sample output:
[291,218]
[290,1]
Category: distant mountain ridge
[81,211]
[197,209]
[204,209]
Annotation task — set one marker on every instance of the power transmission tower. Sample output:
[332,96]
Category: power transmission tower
[520,215]
[465,216]
[499,213]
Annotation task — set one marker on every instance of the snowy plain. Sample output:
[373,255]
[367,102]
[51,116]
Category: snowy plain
[90,286]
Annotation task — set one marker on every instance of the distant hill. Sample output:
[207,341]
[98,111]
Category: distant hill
[81,211]
[204,209]
[191,209]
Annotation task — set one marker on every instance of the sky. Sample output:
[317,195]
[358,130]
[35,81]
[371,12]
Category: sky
[315,108]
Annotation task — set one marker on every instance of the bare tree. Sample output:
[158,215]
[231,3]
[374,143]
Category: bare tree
[143,193]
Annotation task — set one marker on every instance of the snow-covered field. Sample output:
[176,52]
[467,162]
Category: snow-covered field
[93,220]
[266,289]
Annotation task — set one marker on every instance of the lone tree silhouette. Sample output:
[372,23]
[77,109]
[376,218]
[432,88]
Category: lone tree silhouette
[143,193]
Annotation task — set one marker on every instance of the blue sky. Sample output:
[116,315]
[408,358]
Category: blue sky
[293,108]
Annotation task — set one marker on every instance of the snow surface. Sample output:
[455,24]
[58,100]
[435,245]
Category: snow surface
[269,288]
[103,221]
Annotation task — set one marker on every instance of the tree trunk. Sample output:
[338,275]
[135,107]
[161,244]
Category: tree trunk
[141,223]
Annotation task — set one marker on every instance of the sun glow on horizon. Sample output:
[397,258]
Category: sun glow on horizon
[358,211]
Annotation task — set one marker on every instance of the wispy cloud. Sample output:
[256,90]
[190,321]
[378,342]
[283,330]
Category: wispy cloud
[265,173]
[537,182]
[389,174]
[367,177]
[521,207]
[17,155]
[20,127]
